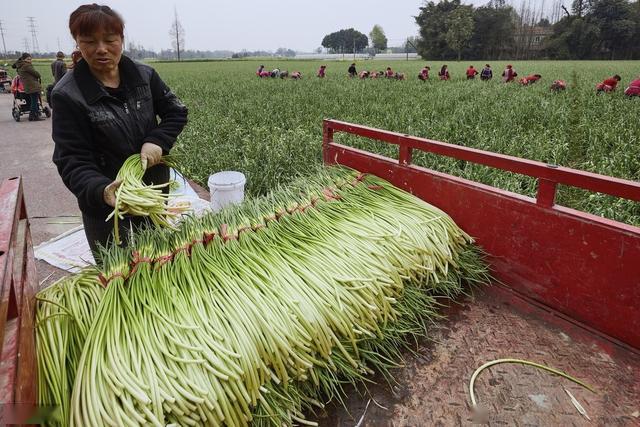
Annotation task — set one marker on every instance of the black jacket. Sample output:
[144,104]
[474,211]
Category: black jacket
[95,132]
[58,70]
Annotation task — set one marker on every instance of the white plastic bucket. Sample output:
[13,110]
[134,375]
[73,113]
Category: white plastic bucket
[226,188]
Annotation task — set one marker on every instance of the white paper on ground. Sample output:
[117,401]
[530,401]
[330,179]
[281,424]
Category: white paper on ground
[70,251]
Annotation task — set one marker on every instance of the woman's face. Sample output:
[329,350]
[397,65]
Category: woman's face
[102,50]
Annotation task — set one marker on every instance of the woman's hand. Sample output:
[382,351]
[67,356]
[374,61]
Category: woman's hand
[150,155]
[109,193]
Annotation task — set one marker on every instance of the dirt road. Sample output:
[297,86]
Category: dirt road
[26,149]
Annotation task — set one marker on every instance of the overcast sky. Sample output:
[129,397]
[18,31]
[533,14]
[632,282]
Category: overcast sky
[217,24]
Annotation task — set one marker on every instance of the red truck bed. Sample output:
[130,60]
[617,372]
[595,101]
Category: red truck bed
[568,297]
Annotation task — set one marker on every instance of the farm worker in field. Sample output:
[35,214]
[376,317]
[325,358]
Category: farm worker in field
[444,73]
[296,75]
[364,74]
[284,74]
[509,74]
[399,76]
[487,73]
[322,71]
[608,85]
[104,111]
[58,68]
[352,70]
[424,73]
[389,73]
[259,71]
[529,80]
[558,85]
[31,80]
[471,73]
[275,73]
[634,88]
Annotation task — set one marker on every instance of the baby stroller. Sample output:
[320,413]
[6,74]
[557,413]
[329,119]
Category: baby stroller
[22,101]
[5,81]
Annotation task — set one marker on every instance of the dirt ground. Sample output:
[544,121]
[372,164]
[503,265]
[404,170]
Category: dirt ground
[26,149]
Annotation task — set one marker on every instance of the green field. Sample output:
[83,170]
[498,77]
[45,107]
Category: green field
[271,129]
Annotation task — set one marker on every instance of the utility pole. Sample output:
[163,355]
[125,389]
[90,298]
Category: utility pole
[354,48]
[34,36]
[25,41]
[58,39]
[4,46]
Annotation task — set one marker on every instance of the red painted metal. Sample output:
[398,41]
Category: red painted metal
[18,286]
[583,266]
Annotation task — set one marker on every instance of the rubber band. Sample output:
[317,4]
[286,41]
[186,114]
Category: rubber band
[105,282]
[163,260]
[186,248]
[209,237]
[375,187]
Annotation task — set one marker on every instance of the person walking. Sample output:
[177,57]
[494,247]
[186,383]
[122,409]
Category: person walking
[487,73]
[509,74]
[104,111]
[471,73]
[58,68]
[31,81]
[352,70]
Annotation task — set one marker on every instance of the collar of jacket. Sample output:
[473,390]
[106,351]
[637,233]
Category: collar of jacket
[92,90]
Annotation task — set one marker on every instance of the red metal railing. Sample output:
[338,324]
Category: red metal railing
[581,265]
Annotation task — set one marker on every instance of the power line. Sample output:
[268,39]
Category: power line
[4,46]
[25,41]
[34,36]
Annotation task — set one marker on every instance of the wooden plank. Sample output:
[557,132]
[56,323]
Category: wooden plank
[27,372]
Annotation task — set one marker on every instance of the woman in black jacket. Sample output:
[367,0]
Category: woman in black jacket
[104,111]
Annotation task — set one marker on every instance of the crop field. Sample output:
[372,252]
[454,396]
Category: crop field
[271,129]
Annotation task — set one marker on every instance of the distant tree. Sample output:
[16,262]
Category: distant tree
[459,28]
[544,22]
[494,28]
[573,38]
[348,40]
[177,34]
[432,25]
[378,38]
[614,18]
[288,53]
[319,49]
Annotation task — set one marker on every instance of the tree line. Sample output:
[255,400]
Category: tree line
[590,29]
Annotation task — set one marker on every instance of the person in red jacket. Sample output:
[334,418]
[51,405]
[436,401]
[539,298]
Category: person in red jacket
[389,73]
[608,85]
[530,79]
[471,73]
[424,73]
[509,74]
[634,88]
[444,73]
[558,85]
